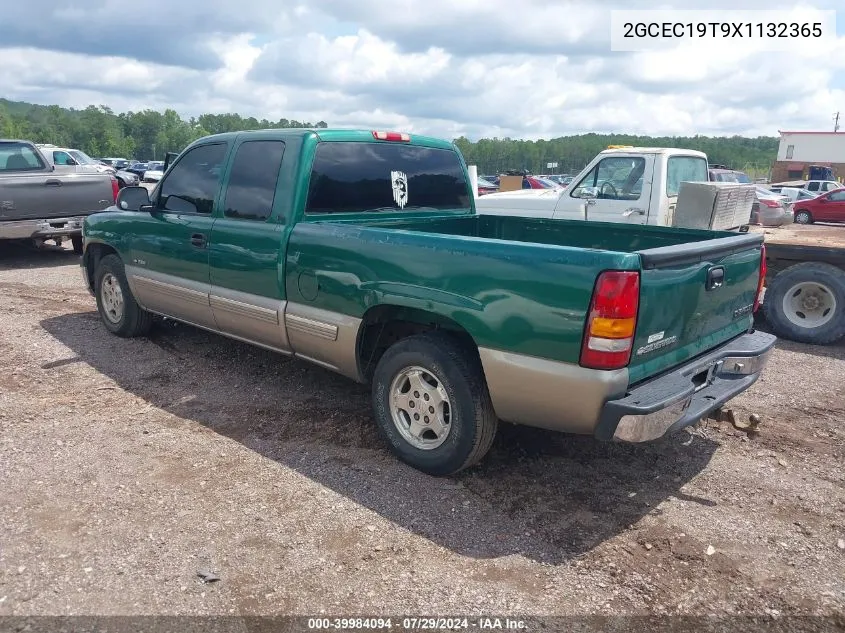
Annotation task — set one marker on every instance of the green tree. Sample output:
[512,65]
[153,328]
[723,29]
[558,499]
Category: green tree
[148,134]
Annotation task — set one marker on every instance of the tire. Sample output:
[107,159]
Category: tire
[812,285]
[457,372]
[76,240]
[131,320]
[803,217]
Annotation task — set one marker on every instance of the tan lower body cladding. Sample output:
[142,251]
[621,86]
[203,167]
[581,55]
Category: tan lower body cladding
[524,389]
[326,338]
[549,394]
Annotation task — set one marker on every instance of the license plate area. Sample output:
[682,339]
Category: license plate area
[704,377]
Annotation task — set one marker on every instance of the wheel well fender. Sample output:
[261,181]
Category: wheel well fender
[91,258]
[385,324]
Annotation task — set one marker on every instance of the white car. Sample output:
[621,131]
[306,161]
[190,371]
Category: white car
[67,157]
[154,172]
[795,193]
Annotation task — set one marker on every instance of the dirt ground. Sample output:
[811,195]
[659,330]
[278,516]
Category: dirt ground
[128,466]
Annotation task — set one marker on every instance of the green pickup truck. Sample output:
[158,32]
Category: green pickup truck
[361,251]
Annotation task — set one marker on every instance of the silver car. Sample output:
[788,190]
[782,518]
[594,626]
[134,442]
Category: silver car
[771,209]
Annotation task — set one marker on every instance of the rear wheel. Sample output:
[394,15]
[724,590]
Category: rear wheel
[431,404]
[803,217]
[119,311]
[806,303]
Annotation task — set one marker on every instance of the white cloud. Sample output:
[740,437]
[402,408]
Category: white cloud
[443,68]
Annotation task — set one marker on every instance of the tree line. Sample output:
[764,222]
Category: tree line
[149,134]
[100,132]
[572,153]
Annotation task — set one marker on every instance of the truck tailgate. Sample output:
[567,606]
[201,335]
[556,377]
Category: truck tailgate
[40,196]
[693,297]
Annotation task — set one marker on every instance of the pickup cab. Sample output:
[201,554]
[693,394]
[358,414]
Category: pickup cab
[38,202]
[633,185]
[362,252]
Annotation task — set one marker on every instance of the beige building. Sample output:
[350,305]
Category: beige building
[798,150]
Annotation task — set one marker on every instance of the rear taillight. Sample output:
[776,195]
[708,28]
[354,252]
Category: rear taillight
[391,136]
[762,280]
[611,321]
[115,188]
[772,204]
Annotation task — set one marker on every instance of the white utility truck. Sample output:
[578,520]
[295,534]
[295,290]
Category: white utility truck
[637,185]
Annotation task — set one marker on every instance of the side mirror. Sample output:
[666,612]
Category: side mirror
[589,192]
[133,198]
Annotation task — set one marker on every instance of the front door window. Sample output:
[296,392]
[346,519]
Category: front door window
[191,185]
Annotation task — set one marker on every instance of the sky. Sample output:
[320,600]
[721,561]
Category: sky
[529,69]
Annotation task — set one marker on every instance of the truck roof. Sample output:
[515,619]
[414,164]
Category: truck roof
[333,134]
[654,150]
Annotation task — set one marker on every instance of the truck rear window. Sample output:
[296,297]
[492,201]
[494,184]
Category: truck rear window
[19,157]
[350,177]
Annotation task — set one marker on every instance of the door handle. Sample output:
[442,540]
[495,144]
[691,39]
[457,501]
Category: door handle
[198,240]
[590,202]
[53,182]
[627,213]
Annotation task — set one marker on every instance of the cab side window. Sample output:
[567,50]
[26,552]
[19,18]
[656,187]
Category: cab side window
[62,158]
[192,184]
[252,183]
[615,177]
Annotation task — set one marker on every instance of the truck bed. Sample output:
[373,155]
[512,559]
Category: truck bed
[485,273]
[808,235]
[605,236]
[796,243]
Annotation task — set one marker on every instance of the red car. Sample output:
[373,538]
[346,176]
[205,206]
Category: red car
[828,207]
[535,182]
[485,186]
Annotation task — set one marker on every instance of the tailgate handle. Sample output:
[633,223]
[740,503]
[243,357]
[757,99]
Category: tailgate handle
[715,277]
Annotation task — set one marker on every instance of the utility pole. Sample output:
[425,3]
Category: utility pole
[836,122]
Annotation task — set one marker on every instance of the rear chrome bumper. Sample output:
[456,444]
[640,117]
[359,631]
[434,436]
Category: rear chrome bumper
[45,229]
[684,396]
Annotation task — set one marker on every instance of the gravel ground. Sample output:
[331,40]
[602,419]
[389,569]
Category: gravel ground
[127,467]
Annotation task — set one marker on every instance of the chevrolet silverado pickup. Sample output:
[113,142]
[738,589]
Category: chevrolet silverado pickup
[40,203]
[361,251]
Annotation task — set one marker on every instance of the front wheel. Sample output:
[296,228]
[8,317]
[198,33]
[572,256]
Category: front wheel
[119,311]
[803,217]
[431,404]
[76,241]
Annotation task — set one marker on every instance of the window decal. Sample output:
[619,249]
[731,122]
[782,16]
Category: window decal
[400,188]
